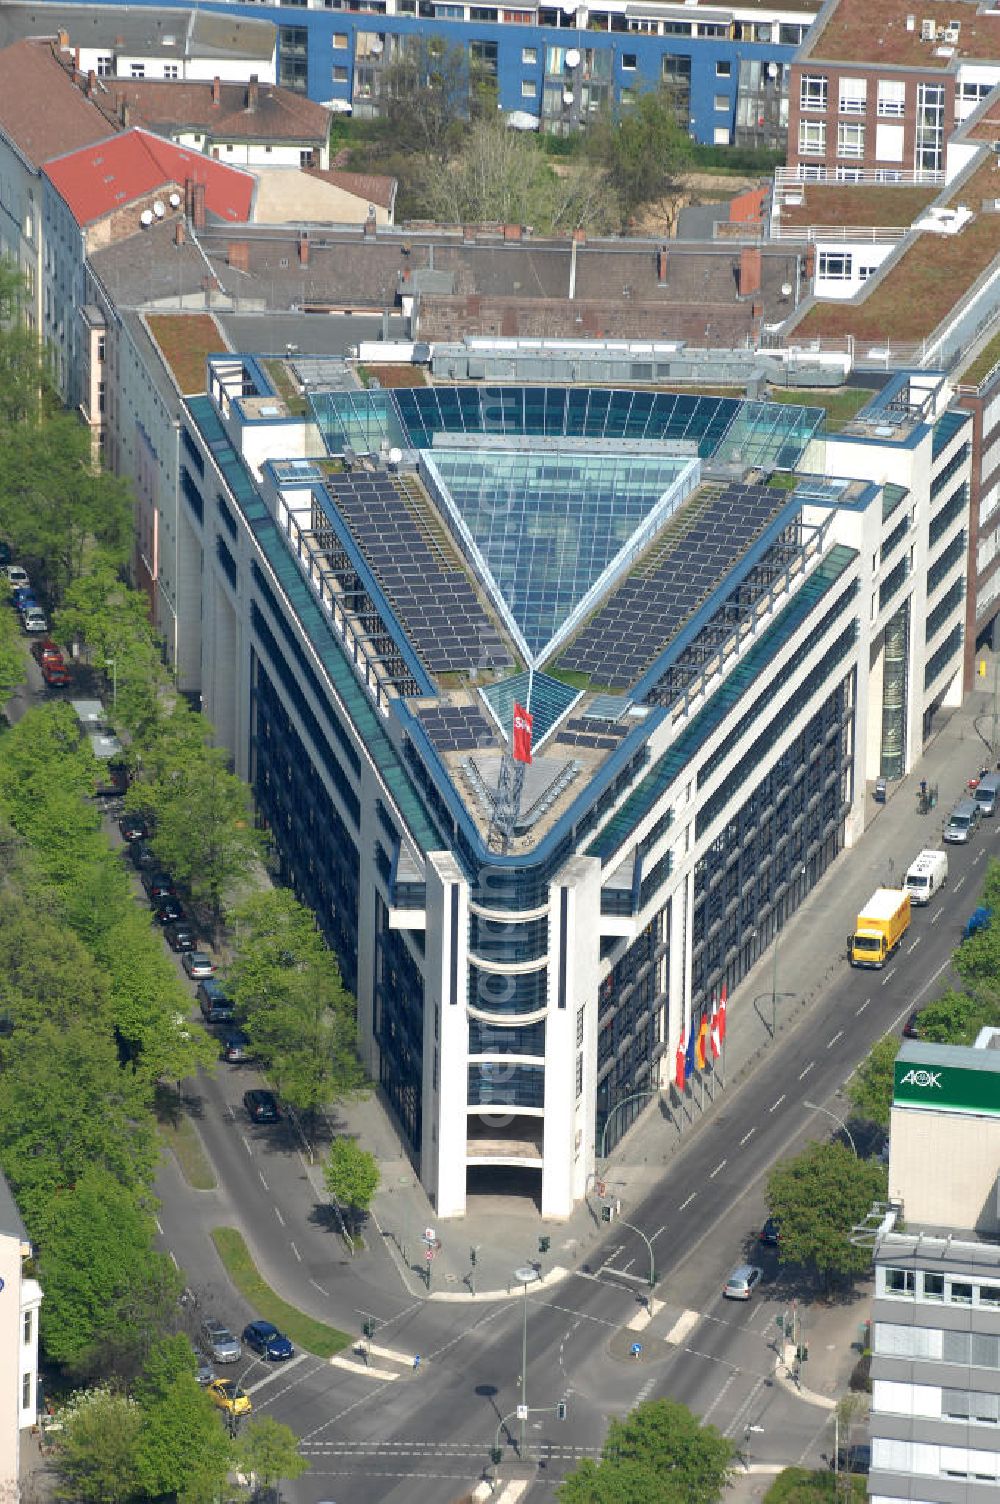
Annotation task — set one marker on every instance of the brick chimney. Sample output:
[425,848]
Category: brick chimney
[63,40]
[304,247]
[512,232]
[370,225]
[661,266]
[252,93]
[125,113]
[179,232]
[750,270]
[238,255]
[198,205]
[216,91]
[91,83]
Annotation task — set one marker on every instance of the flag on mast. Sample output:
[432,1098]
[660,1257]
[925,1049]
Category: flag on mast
[680,1075]
[714,1036]
[722,1015]
[702,1040]
[689,1053]
[522,734]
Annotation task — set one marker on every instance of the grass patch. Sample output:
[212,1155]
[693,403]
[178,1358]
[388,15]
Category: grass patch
[185,341]
[315,1336]
[181,1138]
[983,363]
[841,403]
[286,388]
[797,1485]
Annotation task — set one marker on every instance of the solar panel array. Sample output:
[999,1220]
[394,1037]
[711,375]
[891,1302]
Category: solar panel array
[683,568]
[589,731]
[458,728]
[430,593]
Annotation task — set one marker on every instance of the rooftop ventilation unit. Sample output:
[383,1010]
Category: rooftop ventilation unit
[159,208]
[146,218]
[928,31]
[174,201]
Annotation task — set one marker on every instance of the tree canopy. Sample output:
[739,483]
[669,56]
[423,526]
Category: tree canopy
[351,1174]
[870,1088]
[660,1454]
[818,1197]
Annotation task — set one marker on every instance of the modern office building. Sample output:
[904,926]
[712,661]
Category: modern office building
[558,64]
[722,622]
[935,1412]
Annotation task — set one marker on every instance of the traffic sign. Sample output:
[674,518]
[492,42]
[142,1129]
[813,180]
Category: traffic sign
[429,1254]
[430,1236]
[636,1349]
[522,1412]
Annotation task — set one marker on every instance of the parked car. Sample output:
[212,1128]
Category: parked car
[56,676]
[21,596]
[16,575]
[221,1345]
[197,964]
[236,1047]
[770,1233]
[261,1106]
[742,1282]
[911,1029]
[180,936]
[33,620]
[216,1007]
[263,1337]
[204,1373]
[142,856]
[5,555]
[158,884]
[133,827]
[857,1458]
[47,651]
[229,1396]
[978,920]
[168,910]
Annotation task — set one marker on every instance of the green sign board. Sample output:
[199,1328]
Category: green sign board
[949,1088]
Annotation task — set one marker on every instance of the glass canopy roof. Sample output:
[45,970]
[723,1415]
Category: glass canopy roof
[550,525]
[546,698]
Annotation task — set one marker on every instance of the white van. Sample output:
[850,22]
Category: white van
[988,793]
[963,822]
[927,873]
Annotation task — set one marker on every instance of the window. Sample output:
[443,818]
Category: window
[26,1392]
[836,266]
[628,62]
[934,1287]
[529,89]
[850,140]
[853,96]
[723,69]
[579,1076]
[812,138]
[484,54]
[813,89]
[579,1026]
[137,70]
[961,1293]
[105,65]
[929,147]
[529,56]
[171,71]
[340,41]
[891,98]
[722,101]
[888,143]
[899,1282]
[989,1295]
[720,135]
[102,346]
[340,73]
[27,1327]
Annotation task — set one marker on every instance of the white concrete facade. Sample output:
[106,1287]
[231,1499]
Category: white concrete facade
[20,1302]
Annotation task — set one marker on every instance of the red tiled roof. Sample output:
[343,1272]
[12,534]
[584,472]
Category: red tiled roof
[279,115]
[374,187]
[41,111]
[96,181]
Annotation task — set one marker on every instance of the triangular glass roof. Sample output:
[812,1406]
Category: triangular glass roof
[549,528]
[549,701]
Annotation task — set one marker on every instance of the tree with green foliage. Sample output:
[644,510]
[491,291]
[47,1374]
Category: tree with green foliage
[97,1254]
[869,1090]
[112,621]
[299,1016]
[182,1449]
[270,1452]
[643,149]
[660,1454]
[351,1175]
[957,1017]
[799,1485]
[12,665]
[95,1447]
[430,93]
[818,1197]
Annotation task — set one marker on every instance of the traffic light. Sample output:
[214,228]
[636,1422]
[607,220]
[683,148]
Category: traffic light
[544,1244]
[561,1410]
[606,1212]
[369,1329]
[472,1257]
[496,1456]
[802,1352]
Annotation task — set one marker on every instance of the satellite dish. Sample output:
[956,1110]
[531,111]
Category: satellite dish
[376,45]
[146,218]
[395,456]
[772,70]
[569,7]
[786,289]
[159,208]
[572,58]
[174,201]
[567,96]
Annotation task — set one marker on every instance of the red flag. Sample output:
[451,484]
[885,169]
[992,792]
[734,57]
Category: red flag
[714,1037]
[722,1015]
[679,1073]
[522,734]
[702,1038]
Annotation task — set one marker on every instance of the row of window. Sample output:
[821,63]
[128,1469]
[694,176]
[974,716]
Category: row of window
[931,1344]
[814,92]
[838,266]
[925,1285]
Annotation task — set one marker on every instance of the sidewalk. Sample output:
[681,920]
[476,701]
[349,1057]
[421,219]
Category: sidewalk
[505,1230]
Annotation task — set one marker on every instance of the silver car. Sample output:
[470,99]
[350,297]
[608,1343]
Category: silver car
[742,1282]
[220,1344]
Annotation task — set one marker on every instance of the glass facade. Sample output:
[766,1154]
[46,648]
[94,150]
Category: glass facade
[399,1026]
[630,1005]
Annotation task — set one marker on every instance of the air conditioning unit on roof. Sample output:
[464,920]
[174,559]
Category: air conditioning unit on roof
[928,31]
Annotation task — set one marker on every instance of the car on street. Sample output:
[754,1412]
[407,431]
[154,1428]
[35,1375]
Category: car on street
[216,1007]
[22,596]
[770,1233]
[47,651]
[856,1458]
[236,1047]
[181,937]
[742,1282]
[56,676]
[204,1372]
[220,1344]
[911,1029]
[168,910]
[198,964]
[16,575]
[229,1396]
[142,856]
[132,827]
[263,1338]
[34,620]
[262,1106]
[158,884]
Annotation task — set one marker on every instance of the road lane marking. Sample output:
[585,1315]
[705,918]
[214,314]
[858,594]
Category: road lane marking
[280,1218]
[174,1258]
[320,1288]
[657,1233]
[888,977]
[296,1252]
[913,947]
[905,1011]
[688,1201]
[807,1070]
[263,1181]
[937,916]
[858,1011]
[626,1267]
[978,857]
[747,1137]
[159,1226]
[831,1042]
[777,1103]
[720,1166]
[961,880]
[246,1145]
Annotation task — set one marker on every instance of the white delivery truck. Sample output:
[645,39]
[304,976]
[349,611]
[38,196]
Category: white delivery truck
[927,873]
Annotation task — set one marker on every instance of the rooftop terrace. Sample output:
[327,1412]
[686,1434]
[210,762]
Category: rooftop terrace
[185,341]
[874,32]
[855,204]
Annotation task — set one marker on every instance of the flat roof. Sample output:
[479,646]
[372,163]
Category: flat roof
[875,33]
[961,1056]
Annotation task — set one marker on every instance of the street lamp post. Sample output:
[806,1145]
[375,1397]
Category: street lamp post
[815,1107]
[648,1092]
[525,1275]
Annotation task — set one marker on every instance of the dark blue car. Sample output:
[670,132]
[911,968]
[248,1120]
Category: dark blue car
[264,1338]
